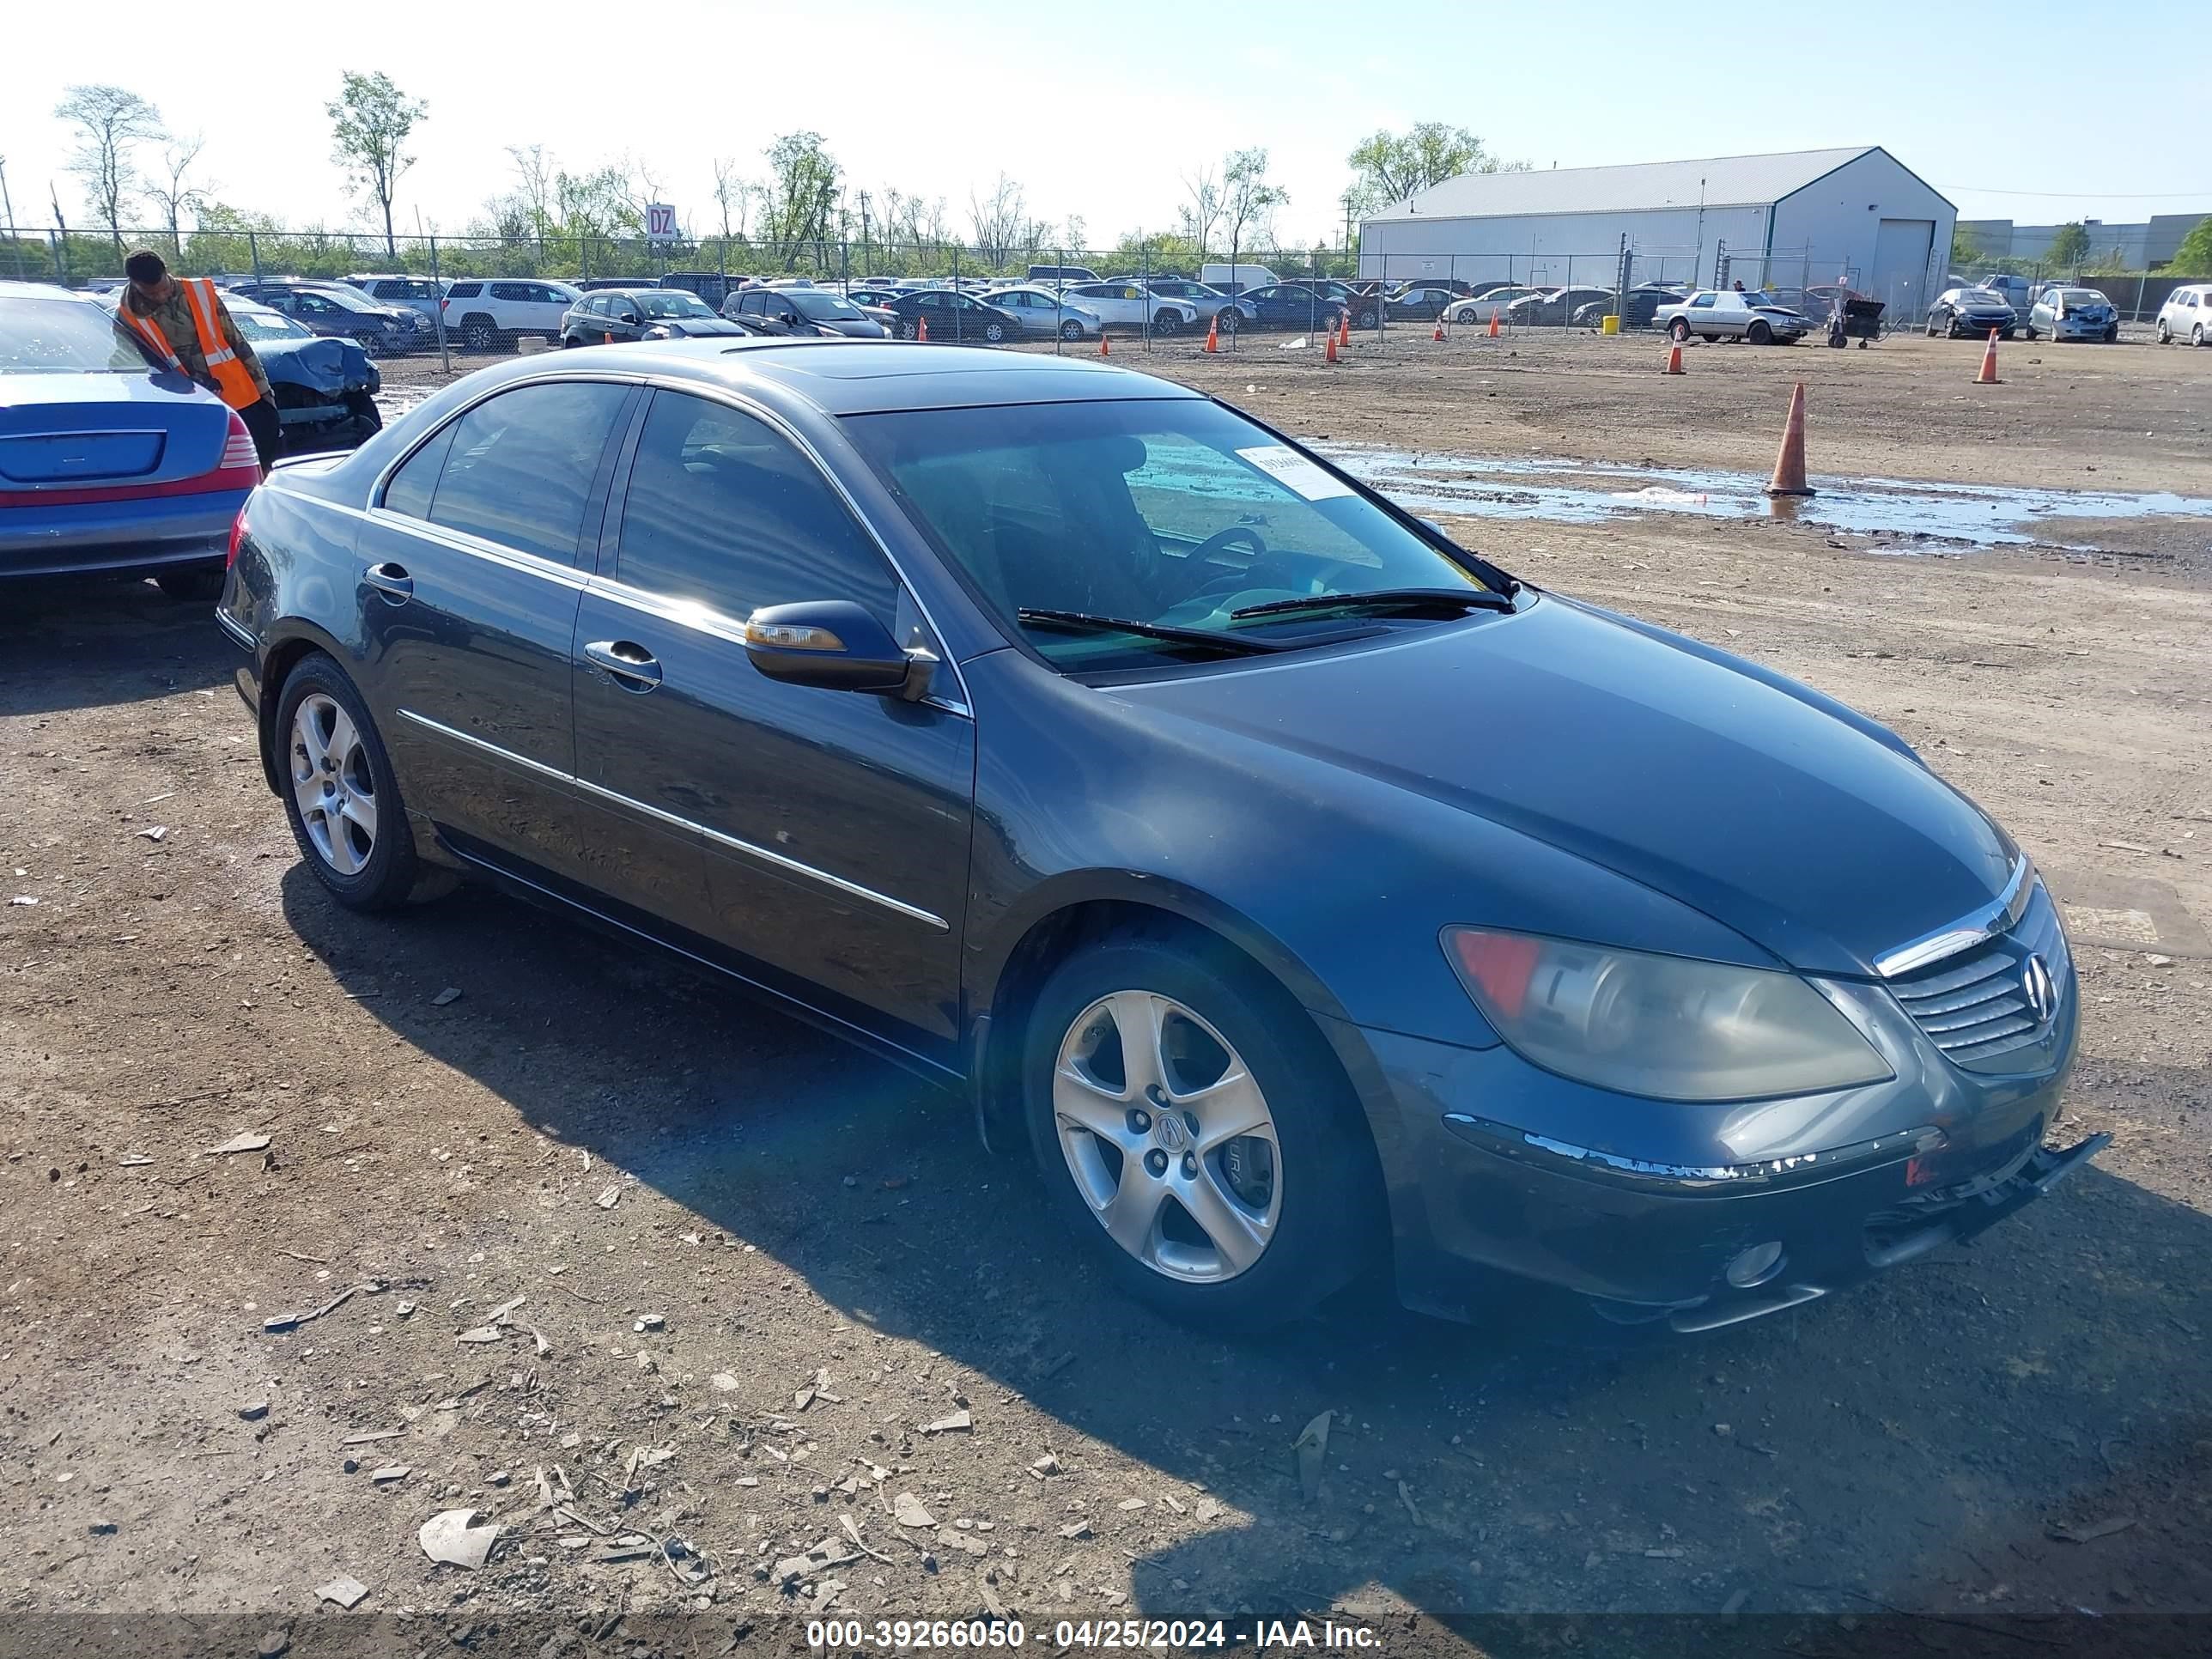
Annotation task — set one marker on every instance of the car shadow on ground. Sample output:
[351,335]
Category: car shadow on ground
[1925,1442]
[73,642]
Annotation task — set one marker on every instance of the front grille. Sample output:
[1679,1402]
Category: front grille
[1973,1007]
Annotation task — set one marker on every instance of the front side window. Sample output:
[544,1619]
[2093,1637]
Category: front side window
[724,511]
[519,467]
[1173,512]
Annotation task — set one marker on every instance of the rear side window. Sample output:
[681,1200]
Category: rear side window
[465,290]
[413,486]
[722,509]
[519,467]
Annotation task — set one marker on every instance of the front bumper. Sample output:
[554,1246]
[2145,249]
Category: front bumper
[1495,1165]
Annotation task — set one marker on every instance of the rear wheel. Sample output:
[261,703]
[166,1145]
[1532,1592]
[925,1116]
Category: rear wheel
[1196,1133]
[477,334]
[340,795]
[204,586]
[906,330]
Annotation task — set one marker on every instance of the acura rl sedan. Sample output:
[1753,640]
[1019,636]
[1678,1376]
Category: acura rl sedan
[1304,890]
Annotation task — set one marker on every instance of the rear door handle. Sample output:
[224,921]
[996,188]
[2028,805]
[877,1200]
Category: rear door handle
[391,580]
[634,667]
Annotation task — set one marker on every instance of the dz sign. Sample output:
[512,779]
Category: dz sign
[660,222]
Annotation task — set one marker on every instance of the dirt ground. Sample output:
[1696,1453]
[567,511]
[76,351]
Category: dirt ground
[717,1278]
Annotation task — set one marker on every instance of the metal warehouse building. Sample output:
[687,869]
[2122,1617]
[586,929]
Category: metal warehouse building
[1816,216]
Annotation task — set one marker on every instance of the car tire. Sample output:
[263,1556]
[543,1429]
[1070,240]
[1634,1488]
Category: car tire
[1680,331]
[1071,330]
[994,333]
[203,586]
[1300,1201]
[1933,327]
[2165,334]
[2111,333]
[1365,319]
[2004,334]
[1166,322]
[1758,333]
[478,335]
[334,770]
[907,330]
[371,343]
[2028,332]
[2197,334]
[1229,321]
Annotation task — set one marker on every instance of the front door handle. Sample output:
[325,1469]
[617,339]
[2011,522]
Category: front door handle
[391,580]
[635,668]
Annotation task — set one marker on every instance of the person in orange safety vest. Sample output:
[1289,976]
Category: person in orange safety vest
[184,325]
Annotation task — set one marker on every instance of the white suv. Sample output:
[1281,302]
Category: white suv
[2186,315]
[487,313]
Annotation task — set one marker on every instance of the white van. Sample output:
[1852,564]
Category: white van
[1243,276]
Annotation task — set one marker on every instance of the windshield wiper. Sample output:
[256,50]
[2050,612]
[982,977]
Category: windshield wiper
[1084,622]
[1382,598]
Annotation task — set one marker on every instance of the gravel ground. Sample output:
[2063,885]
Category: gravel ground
[727,1283]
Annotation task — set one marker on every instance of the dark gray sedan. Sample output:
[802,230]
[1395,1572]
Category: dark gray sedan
[1089,748]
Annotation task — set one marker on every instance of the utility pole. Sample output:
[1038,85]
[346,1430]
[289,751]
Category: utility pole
[866,265]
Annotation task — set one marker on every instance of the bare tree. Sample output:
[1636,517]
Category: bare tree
[1000,221]
[535,173]
[370,119]
[111,123]
[733,195]
[1247,200]
[171,187]
[1203,212]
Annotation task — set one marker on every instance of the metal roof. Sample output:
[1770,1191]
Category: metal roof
[1718,181]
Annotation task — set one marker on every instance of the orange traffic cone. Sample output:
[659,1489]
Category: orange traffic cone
[1493,324]
[1674,358]
[1344,330]
[1331,353]
[1213,332]
[1103,350]
[1439,334]
[1988,374]
[1789,463]
[922,328]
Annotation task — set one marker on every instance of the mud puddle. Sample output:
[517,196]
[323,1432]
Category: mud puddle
[1931,515]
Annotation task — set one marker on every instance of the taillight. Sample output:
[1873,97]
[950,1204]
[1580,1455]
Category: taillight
[237,535]
[238,448]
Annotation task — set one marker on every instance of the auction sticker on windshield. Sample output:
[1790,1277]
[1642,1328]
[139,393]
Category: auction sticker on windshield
[1287,467]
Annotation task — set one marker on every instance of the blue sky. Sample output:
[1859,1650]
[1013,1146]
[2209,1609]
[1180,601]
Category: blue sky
[1102,110]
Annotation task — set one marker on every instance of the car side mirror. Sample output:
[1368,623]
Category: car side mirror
[629,317]
[837,646]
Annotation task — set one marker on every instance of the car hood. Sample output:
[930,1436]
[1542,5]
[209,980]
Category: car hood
[1801,826]
[695,327]
[327,365]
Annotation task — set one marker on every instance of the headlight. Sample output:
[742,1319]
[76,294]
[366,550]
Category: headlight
[1667,1027]
[656,334]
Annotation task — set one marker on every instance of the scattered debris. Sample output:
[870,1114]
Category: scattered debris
[273,1644]
[347,1593]
[818,1560]
[607,1200]
[1310,1449]
[1076,1529]
[254,1410]
[724,1382]
[23,898]
[482,1334]
[133,1162]
[102,1529]
[459,1538]
[1405,1497]
[2126,845]
[240,1143]
[959,1423]
[156,833]
[366,1437]
[651,1322]
[391,1474]
[1209,1508]
[499,1315]
[276,1323]
[450,994]
[1130,1505]
[2066,1533]
[907,1510]
[1044,1467]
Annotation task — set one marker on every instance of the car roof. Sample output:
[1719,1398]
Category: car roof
[17,290]
[856,377]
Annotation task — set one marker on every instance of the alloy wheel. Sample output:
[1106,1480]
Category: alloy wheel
[1168,1137]
[333,785]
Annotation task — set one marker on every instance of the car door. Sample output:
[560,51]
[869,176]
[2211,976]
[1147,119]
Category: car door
[469,585]
[826,832]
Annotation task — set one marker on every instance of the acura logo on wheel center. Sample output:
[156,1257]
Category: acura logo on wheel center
[2036,985]
[1172,1133]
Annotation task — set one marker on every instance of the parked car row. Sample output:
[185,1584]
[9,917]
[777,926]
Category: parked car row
[2057,312]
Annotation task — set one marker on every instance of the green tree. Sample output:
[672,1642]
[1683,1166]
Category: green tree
[1388,167]
[2194,256]
[370,120]
[1966,252]
[803,183]
[2068,248]
[1247,198]
[112,122]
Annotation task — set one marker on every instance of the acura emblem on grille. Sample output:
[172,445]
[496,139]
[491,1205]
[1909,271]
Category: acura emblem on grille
[2036,985]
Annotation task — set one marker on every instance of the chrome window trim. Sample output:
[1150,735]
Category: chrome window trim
[1968,931]
[712,393]
[775,860]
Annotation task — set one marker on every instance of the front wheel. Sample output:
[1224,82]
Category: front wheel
[2197,334]
[994,332]
[341,797]
[1758,333]
[1166,322]
[1196,1133]
[1229,321]
[1364,319]
[2165,334]
[1071,330]
[1681,331]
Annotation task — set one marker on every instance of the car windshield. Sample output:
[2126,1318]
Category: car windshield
[66,336]
[2081,296]
[672,302]
[1172,514]
[268,325]
[825,308]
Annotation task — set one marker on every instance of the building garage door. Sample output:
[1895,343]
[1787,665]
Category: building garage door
[1901,250]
